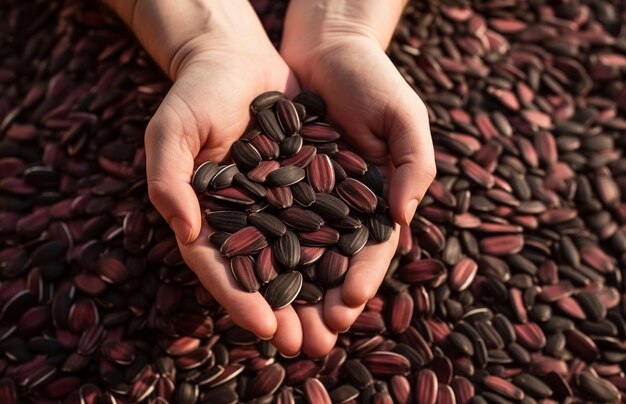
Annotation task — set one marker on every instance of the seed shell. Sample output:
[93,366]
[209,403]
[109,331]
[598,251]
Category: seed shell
[284,289]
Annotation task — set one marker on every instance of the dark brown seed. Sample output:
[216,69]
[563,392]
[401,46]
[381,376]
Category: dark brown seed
[331,268]
[285,176]
[319,133]
[246,241]
[252,187]
[267,148]
[269,224]
[348,223]
[284,289]
[144,385]
[288,117]
[315,392]
[422,271]
[224,177]
[8,393]
[380,226]
[88,342]
[350,162]
[291,145]
[217,238]
[265,268]
[344,394]
[351,243]
[373,179]
[530,335]
[476,173]
[203,175]
[463,389]
[303,193]
[310,254]
[266,101]
[426,387]
[313,103]
[267,380]
[357,195]
[597,388]
[358,373]
[503,387]
[385,364]
[194,359]
[243,269]
[532,385]
[502,245]
[227,221]
[187,393]
[245,155]
[325,236]
[260,172]
[302,158]
[400,312]
[269,123]
[280,197]
[445,395]
[463,274]
[320,174]
[287,250]
[310,293]
[330,207]
[120,352]
[301,219]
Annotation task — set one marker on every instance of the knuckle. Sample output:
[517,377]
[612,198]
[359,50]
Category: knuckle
[156,189]
[430,170]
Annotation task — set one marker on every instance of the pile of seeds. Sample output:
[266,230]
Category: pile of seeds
[507,288]
[293,204]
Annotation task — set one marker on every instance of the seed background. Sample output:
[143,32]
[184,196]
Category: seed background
[525,221]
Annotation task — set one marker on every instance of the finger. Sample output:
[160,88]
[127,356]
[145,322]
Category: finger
[412,155]
[248,310]
[317,338]
[405,240]
[288,337]
[337,315]
[367,270]
[169,166]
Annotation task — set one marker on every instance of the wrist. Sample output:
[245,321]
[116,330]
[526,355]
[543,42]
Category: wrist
[175,32]
[323,20]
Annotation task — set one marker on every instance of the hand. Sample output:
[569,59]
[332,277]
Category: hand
[387,122]
[206,110]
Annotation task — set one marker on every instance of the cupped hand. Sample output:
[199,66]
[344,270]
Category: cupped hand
[385,120]
[206,110]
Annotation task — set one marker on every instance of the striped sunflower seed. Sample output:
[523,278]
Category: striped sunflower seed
[284,289]
[301,219]
[285,176]
[203,175]
[287,250]
[227,221]
[266,101]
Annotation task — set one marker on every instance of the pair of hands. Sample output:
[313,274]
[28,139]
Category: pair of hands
[207,109]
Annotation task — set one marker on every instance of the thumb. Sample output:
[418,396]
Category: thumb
[412,155]
[169,166]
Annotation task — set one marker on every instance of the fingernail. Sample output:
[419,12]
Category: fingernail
[410,211]
[287,356]
[265,339]
[182,229]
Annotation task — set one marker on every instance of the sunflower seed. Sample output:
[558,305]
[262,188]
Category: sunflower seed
[284,289]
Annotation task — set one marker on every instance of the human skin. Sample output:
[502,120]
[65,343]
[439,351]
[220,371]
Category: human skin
[219,58]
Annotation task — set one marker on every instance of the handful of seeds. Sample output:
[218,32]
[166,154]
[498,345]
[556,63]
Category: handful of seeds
[294,205]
